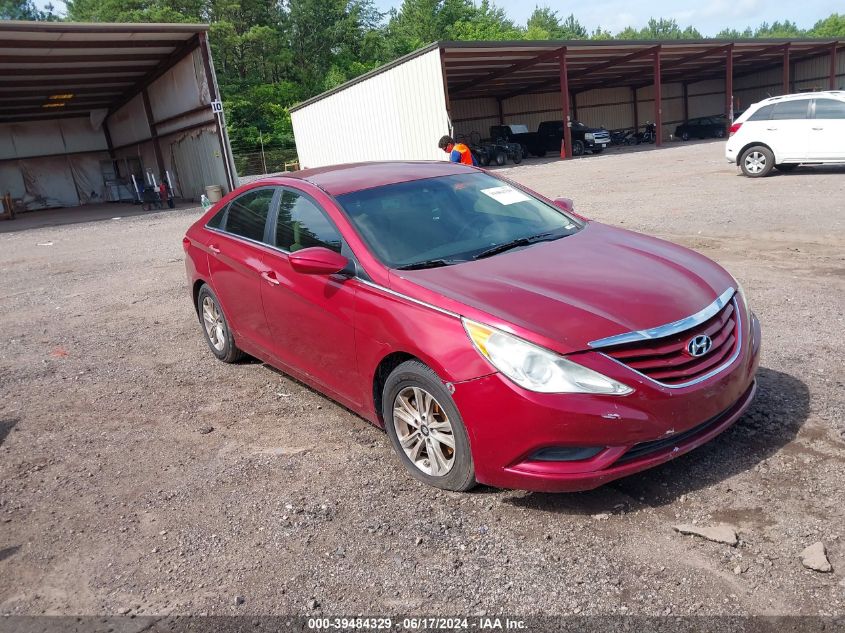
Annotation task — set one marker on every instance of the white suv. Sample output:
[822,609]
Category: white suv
[782,132]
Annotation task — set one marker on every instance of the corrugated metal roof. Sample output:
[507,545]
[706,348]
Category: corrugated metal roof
[83,66]
[506,69]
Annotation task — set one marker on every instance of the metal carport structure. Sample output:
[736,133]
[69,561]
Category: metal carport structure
[76,98]
[505,70]
[464,86]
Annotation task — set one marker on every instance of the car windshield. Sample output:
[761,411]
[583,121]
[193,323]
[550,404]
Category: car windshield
[451,219]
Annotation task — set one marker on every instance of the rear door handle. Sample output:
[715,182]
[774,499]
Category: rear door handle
[270,277]
[771,129]
[818,128]
[214,249]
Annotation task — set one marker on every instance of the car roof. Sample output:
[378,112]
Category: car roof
[337,180]
[840,94]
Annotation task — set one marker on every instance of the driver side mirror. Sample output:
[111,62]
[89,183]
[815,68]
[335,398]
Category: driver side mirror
[317,260]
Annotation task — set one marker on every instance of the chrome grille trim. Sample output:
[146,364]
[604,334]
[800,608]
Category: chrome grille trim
[716,370]
[676,327]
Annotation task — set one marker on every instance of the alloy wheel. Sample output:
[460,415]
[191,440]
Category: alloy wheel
[755,162]
[212,320]
[424,431]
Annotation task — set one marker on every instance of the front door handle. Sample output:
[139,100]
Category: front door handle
[270,277]
[818,128]
[771,129]
[214,249]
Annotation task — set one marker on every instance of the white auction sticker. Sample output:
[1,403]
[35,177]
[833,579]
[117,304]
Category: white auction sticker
[505,195]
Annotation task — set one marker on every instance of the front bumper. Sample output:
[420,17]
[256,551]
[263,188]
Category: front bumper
[507,425]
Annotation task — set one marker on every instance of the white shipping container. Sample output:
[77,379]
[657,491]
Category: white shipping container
[395,114]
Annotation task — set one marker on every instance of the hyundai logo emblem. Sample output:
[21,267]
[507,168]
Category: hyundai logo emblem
[699,345]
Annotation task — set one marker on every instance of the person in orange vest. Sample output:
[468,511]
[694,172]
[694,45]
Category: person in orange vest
[458,152]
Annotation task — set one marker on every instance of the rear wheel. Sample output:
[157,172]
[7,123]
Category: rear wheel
[757,161]
[219,337]
[577,148]
[786,167]
[425,428]
[517,157]
[720,133]
[501,158]
[685,136]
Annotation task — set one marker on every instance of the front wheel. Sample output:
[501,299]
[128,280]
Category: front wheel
[577,148]
[501,158]
[757,161]
[425,428]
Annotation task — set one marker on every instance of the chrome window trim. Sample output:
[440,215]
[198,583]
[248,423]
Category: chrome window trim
[668,329]
[704,377]
[407,298]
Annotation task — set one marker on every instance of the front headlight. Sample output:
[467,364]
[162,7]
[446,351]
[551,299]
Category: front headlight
[743,298]
[536,368]
[589,136]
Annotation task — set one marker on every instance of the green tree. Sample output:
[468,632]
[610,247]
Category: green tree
[545,24]
[831,26]
[487,22]
[26,10]
[779,29]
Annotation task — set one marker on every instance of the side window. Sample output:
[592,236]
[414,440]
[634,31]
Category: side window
[762,114]
[216,221]
[303,224]
[796,109]
[830,109]
[248,213]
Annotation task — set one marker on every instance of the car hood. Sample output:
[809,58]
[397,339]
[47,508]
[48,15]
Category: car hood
[596,283]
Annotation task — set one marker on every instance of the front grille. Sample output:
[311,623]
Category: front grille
[667,359]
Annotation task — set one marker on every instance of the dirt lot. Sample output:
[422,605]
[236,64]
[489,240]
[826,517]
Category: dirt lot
[116,497]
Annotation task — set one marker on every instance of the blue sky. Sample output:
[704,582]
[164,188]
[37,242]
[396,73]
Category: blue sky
[709,16]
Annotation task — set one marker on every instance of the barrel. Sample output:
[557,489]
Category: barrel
[214,192]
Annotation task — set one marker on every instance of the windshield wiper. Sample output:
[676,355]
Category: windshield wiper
[430,263]
[520,241]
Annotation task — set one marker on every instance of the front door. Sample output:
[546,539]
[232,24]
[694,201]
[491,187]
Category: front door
[788,130]
[827,130]
[311,317]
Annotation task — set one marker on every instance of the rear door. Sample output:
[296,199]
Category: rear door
[311,317]
[788,130]
[827,130]
[235,253]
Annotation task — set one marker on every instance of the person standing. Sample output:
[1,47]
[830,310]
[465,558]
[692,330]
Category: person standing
[458,152]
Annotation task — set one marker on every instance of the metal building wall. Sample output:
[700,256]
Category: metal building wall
[397,114]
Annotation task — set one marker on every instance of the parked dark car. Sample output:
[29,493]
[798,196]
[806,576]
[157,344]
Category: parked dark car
[703,127]
[583,138]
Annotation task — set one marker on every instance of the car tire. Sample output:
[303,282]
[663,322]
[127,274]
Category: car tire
[577,148]
[405,421]
[484,159]
[720,133]
[501,158]
[517,157]
[786,167]
[215,327]
[757,161]
[685,136]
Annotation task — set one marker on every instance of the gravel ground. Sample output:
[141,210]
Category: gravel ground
[141,476]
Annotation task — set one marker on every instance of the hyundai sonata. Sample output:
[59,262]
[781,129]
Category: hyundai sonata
[497,336]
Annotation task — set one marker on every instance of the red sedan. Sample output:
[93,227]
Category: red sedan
[497,336]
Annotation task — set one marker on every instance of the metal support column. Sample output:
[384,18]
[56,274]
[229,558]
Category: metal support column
[729,85]
[501,112]
[636,113]
[566,146]
[833,47]
[786,69]
[686,101]
[658,98]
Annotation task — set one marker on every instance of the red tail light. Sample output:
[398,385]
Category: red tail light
[734,129]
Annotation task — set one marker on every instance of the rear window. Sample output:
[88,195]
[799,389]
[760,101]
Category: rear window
[248,214]
[790,110]
[763,114]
